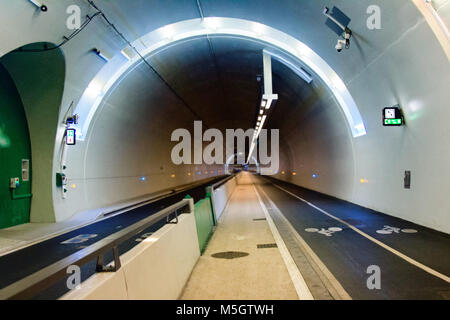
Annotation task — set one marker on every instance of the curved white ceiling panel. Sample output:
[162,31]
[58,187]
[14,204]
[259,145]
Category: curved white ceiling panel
[121,64]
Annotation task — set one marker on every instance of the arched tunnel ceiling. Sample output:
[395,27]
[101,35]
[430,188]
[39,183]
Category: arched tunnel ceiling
[217,78]
[302,19]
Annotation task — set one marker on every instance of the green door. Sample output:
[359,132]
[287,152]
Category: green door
[15,155]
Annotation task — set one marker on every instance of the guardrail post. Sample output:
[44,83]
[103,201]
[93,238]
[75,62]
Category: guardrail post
[101,268]
[176,218]
[191,203]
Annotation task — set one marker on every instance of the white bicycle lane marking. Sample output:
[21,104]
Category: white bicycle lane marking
[365,235]
[392,230]
[326,232]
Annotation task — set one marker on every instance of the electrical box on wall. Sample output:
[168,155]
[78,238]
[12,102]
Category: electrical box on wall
[61,180]
[14,183]
[407,180]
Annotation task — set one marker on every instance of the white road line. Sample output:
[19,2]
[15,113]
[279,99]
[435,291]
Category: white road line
[342,293]
[381,244]
[301,288]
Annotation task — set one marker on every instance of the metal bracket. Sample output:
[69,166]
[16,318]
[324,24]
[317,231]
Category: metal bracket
[102,268]
[176,218]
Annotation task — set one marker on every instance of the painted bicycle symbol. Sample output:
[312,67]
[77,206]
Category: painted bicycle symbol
[391,230]
[326,232]
[79,239]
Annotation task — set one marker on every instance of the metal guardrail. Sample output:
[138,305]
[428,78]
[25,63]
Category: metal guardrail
[159,196]
[37,282]
[210,189]
[222,182]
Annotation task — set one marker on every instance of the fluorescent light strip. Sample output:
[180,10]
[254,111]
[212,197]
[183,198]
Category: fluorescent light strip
[256,137]
[261,126]
[298,71]
[36,3]
[126,54]
[438,18]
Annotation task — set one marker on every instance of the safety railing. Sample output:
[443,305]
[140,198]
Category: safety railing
[157,196]
[37,282]
[222,182]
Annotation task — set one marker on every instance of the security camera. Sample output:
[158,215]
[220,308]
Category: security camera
[340,45]
[344,43]
[44,8]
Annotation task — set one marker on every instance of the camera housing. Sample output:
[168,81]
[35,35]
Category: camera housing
[344,43]
[341,44]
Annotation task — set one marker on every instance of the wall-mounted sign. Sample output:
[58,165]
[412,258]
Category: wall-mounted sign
[393,116]
[71,137]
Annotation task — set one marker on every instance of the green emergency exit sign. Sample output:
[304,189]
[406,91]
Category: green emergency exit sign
[393,122]
[392,116]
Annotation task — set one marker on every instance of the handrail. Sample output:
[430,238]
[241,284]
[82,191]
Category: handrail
[222,182]
[210,189]
[44,278]
[158,196]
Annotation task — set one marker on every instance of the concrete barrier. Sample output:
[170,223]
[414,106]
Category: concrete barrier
[157,268]
[221,196]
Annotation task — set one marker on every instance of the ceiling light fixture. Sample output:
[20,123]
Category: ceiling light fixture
[299,71]
[41,6]
[101,54]
[127,53]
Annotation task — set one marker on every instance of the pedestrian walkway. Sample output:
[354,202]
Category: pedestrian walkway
[242,260]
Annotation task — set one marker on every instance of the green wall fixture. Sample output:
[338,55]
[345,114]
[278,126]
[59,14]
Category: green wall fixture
[15,155]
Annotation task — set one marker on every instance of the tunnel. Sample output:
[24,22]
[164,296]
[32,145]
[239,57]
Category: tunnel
[212,141]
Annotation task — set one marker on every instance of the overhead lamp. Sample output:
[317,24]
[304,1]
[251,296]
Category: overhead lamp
[259,118]
[261,111]
[299,71]
[94,89]
[263,103]
[269,98]
[41,6]
[211,23]
[101,54]
[127,53]
[258,28]
[168,32]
